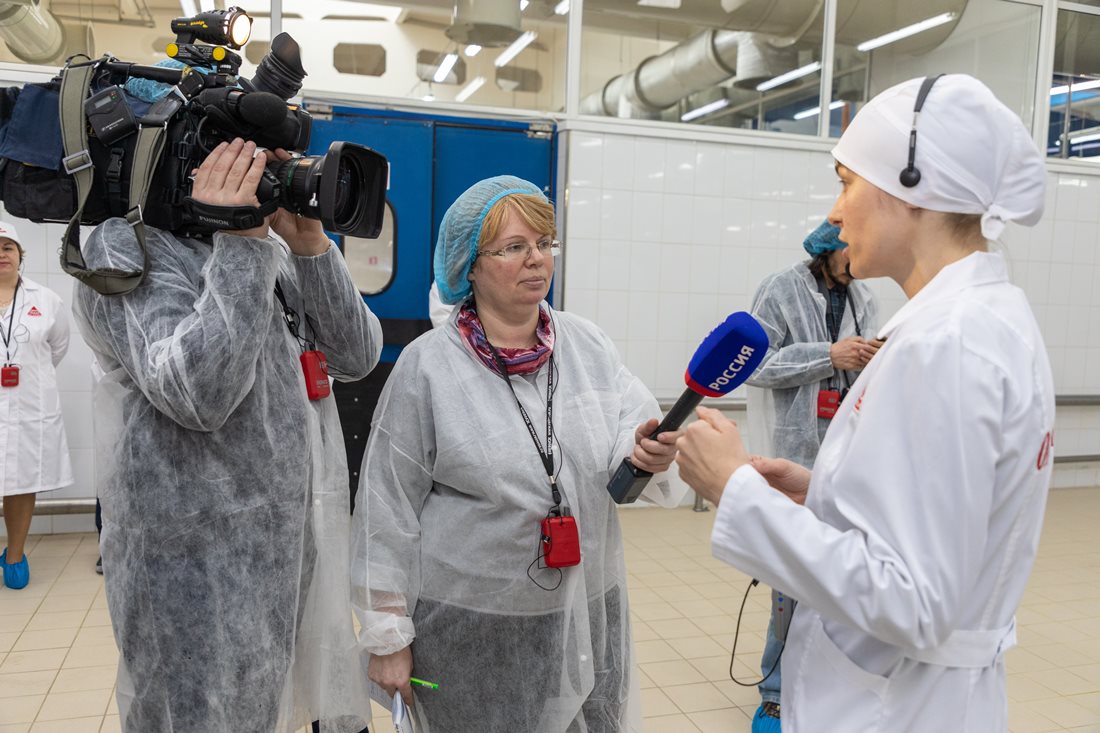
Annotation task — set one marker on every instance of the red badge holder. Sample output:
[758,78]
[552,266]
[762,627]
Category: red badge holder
[9,375]
[315,369]
[828,400]
[561,544]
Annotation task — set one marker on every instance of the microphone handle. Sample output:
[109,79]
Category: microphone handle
[681,411]
[629,481]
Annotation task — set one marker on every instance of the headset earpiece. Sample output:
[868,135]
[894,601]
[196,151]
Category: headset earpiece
[910,175]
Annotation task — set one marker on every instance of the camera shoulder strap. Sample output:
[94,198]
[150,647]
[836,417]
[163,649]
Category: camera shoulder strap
[75,81]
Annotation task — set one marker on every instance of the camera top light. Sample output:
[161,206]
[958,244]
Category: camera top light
[231,27]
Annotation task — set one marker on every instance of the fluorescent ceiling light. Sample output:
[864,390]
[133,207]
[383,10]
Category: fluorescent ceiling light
[428,97]
[469,89]
[190,10]
[561,8]
[445,67]
[909,30]
[789,76]
[517,45]
[1085,139]
[706,109]
[473,50]
[817,110]
[1055,91]
[523,5]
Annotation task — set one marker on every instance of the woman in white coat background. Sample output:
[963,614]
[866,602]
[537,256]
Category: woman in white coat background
[35,336]
[909,545]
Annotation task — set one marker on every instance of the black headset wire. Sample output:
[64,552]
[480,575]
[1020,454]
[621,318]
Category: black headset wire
[737,632]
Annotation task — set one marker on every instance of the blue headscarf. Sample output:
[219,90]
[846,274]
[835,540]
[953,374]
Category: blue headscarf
[823,239]
[460,231]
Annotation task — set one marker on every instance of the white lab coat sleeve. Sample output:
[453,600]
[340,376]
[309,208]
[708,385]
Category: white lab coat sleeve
[58,335]
[913,487]
[342,325]
[794,364]
[394,483]
[190,346]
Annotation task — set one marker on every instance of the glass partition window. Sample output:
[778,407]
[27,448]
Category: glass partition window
[880,43]
[753,65]
[1075,88]
[371,261]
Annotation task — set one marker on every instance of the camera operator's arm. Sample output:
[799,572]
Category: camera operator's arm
[339,321]
[191,334]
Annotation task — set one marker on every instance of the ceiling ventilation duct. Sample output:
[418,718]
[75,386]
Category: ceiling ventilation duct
[661,81]
[771,34]
[489,23]
[31,33]
[759,60]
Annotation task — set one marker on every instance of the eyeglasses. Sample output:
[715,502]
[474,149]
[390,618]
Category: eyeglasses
[520,251]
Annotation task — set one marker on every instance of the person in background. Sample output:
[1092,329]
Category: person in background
[509,419]
[818,322]
[909,545]
[224,479]
[35,332]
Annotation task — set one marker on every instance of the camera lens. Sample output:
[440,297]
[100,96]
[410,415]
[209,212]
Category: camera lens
[345,188]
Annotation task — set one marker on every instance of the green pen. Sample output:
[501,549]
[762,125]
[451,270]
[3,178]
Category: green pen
[423,683]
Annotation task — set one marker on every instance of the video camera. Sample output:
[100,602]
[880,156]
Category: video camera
[108,138]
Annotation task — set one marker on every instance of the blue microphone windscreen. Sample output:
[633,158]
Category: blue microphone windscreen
[728,356]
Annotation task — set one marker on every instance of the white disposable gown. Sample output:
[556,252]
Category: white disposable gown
[32,436]
[922,520]
[224,488]
[455,495]
[782,398]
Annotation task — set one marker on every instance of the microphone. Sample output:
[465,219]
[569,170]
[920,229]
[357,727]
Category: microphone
[726,358]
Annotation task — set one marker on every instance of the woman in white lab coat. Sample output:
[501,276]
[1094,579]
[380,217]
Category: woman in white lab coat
[910,544]
[35,336]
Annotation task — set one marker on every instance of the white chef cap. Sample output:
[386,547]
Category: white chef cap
[973,153]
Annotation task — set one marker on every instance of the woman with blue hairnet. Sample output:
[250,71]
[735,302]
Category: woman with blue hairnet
[910,543]
[488,461]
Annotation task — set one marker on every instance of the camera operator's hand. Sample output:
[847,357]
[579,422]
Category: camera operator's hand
[228,177]
[304,236]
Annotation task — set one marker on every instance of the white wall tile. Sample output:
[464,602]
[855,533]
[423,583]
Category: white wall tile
[649,165]
[738,182]
[586,163]
[584,303]
[706,220]
[583,219]
[679,167]
[676,218]
[704,268]
[74,523]
[648,210]
[582,264]
[645,266]
[614,264]
[675,268]
[644,305]
[710,164]
[616,214]
[641,360]
[613,313]
[618,162]
[672,316]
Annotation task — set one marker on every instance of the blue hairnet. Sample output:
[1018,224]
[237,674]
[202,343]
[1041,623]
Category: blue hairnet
[823,239]
[461,229]
[150,91]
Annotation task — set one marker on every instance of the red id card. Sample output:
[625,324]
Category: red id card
[315,369]
[9,375]
[828,400]
[561,545]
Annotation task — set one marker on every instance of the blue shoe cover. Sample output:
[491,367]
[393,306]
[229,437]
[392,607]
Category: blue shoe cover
[16,575]
[763,722]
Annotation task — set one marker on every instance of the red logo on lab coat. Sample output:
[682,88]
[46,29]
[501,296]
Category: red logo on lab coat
[859,402]
[1044,451]
[34,311]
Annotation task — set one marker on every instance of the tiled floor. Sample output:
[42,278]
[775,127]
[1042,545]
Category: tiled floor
[57,655]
